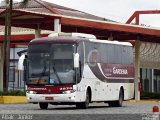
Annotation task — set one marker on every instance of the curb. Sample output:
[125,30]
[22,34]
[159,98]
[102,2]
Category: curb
[12,99]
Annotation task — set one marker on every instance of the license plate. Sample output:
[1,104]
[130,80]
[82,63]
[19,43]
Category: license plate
[48,98]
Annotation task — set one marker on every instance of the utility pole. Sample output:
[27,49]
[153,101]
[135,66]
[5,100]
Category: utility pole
[6,43]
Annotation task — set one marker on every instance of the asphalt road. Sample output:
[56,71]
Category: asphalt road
[96,111]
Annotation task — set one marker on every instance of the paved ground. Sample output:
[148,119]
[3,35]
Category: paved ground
[130,110]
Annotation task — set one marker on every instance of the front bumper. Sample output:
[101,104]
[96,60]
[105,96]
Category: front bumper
[56,98]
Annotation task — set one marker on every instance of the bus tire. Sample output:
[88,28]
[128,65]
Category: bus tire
[43,105]
[119,102]
[84,105]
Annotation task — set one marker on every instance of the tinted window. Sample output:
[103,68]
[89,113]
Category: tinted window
[108,53]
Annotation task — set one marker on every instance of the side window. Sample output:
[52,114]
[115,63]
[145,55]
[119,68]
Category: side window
[87,49]
[97,52]
[110,53]
[127,55]
[117,54]
[106,52]
[130,55]
[102,52]
[124,55]
[90,50]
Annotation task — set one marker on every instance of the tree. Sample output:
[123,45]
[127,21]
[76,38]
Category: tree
[6,50]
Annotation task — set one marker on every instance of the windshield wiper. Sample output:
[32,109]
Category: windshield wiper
[42,73]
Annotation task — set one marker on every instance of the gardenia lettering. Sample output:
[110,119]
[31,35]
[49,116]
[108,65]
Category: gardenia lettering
[119,71]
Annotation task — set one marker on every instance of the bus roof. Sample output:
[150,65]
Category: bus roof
[86,37]
[111,42]
[69,39]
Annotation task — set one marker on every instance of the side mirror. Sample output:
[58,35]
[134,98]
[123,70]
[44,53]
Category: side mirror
[21,61]
[76,60]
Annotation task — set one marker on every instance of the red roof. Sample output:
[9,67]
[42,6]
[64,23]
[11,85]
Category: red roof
[50,8]
[37,13]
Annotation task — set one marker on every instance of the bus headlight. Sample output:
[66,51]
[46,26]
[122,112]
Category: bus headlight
[68,91]
[32,92]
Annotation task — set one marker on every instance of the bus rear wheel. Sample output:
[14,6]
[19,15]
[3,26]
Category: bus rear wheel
[84,105]
[43,105]
[119,102]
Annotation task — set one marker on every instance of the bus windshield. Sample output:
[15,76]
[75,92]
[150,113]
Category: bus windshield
[51,64]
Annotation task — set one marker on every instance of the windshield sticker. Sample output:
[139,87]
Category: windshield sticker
[52,81]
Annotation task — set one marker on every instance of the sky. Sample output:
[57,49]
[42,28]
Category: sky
[117,10]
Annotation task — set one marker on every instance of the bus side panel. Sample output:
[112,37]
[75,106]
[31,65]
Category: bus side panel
[107,68]
[102,91]
[128,91]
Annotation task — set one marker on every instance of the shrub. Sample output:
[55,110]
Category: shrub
[149,95]
[13,93]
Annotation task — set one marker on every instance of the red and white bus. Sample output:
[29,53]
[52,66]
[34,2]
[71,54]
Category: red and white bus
[76,68]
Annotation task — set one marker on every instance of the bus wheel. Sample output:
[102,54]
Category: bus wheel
[119,102]
[43,105]
[121,98]
[84,105]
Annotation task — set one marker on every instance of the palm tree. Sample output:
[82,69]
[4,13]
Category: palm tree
[6,50]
